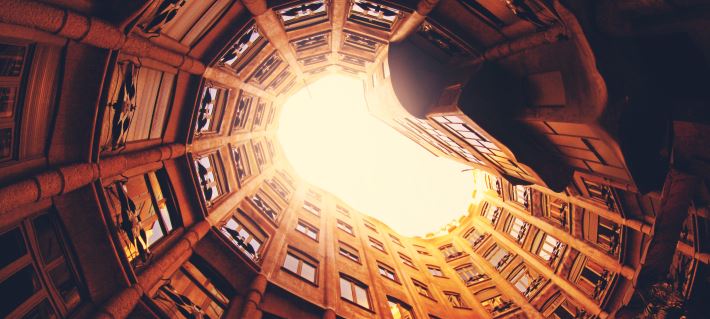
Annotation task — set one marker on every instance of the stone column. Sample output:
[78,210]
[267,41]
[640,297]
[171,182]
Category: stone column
[90,30]
[579,244]
[67,178]
[253,298]
[329,313]
[121,304]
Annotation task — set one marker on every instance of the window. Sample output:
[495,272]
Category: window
[557,210]
[435,271]
[247,43]
[396,240]
[349,252]
[446,143]
[550,249]
[454,299]
[345,227]
[301,265]
[342,210]
[387,272]
[141,203]
[607,235]
[450,252]
[492,213]
[210,176]
[36,274]
[421,288]
[12,70]
[374,243]
[303,14]
[423,252]
[470,274]
[406,260]
[521,195]
[243,169]
[279,188]
[265,205]
[399,309]
[498,257]
[241,111]
[191,292]
[211,109]
[259,154]
[245,235]
[259,115]
[369,225]
[307,229]
[354,291]
[496,305]
[518,228]
[475,237]
[314,195]
[373,15]
[313,209]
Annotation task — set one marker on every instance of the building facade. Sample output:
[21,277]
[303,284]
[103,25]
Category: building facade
[141,177]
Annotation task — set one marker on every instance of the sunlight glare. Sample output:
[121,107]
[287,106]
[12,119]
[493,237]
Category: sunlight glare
[333,142]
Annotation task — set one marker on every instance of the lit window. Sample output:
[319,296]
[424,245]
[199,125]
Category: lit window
[191,293]
[211,108]
[307,229]
[374,243]
[387,272]
[492,213]
[265,205]
[345,227]
[518,229]
[210,175]
[454,299]
[354,291]
[240,157]
[450,252]
[435,271]
[374,15]
[399,309]
[523,281]
[349,252]
[470,274]
[299,264]
[303,14]
[245,235]
[241,111]
[475,237]
[499,257]
[32,250]
[406,260]
[313,209]
[550,248]
[140,203]
[421,288]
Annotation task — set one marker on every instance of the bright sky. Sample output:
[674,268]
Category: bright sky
[333,142]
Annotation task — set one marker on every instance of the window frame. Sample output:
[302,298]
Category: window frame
[354,283]
[302,259]
[306,227]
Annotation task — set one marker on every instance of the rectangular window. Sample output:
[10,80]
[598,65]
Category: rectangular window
[190,293]
[32,250]
[265,205]
[303,14]
[557,210]
[475,237]
[450,252]
[518,228]
[210,174]
[387,272]
[278,188]
[521,195]
[313,209]
[12,69]
[454,299]
[373,15]
[435,271]
[307,229]
[211,109]
[301,265]
[140,203]
[241,111]
[396,240]
[349,252]
[421,288]
[354,291]
[315,195]
[406,260]
[259,154]
[345,227]
[399,309]
[369,225]
[342,210]
[242,167]
[498,257]
[246,235]
[522,281]
[423,252]
[550,248]
[492,213]
[374,243]
[470,274]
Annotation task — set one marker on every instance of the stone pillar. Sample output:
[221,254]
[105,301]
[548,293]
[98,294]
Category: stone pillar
[689,251]
[412,22]
[67,178]
[579,244]
[589,304]
[337,17]
[91,31]
[122,304]
[253,298]
[634,224]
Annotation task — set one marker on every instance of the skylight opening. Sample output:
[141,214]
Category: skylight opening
[333,142]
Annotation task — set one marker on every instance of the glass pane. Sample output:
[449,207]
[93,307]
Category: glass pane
[11,59]
[308,272]
[23,284]
[346,289]
[47,238]
[13,246]
[41,311]
[291,263]
[66,285]
[361,295]
[155,233]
